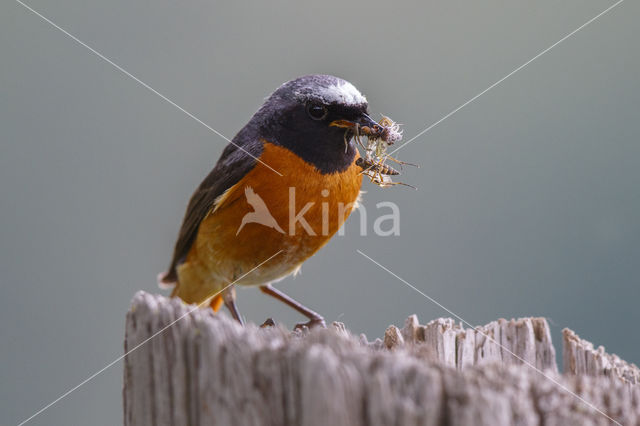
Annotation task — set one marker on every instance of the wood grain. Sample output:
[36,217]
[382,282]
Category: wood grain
[208,370]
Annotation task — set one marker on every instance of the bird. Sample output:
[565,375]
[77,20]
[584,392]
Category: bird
[280,190]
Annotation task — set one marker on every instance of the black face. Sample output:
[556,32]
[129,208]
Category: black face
[309,126]
[306,130]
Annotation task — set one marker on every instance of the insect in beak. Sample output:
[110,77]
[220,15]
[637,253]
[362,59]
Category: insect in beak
[361,125]
[379,136]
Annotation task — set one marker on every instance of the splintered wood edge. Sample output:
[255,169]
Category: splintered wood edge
[514,341]
[207,369]
[581,358]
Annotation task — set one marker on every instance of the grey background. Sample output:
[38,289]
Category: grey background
[528,198]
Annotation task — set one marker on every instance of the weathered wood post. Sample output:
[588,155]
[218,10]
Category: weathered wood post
[197,368]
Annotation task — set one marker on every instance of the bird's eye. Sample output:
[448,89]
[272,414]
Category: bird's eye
[317,112]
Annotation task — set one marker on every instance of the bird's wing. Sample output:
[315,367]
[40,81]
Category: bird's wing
[233,165]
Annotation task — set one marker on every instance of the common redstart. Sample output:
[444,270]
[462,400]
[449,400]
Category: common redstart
[284,185]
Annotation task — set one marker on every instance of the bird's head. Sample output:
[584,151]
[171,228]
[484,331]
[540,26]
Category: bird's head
[310,116]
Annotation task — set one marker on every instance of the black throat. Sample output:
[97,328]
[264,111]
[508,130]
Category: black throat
[325,150]
[317,143]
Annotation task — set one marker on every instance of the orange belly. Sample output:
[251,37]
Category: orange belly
[226,249]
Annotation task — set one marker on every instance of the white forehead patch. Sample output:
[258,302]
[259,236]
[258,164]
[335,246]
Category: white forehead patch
[341,92]
[344,93]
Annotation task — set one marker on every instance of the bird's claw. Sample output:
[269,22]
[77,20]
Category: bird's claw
[268,323]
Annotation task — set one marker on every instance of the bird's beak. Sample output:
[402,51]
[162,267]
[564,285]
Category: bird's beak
[362,121]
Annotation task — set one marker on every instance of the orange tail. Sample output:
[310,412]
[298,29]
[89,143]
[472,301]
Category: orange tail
[216,302]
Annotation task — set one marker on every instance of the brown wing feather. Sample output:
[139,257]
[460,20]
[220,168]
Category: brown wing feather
[231,167]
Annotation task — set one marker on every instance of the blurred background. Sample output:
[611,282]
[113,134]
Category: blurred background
[528,200]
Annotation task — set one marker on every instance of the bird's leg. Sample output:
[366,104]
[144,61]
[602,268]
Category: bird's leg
[315,319]
[229,297]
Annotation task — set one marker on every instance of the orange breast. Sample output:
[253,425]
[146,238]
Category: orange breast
[304,208]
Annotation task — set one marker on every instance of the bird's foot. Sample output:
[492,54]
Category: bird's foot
[312,323]
[268,323]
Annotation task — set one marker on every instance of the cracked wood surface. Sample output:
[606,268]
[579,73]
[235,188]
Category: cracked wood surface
[207,370]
